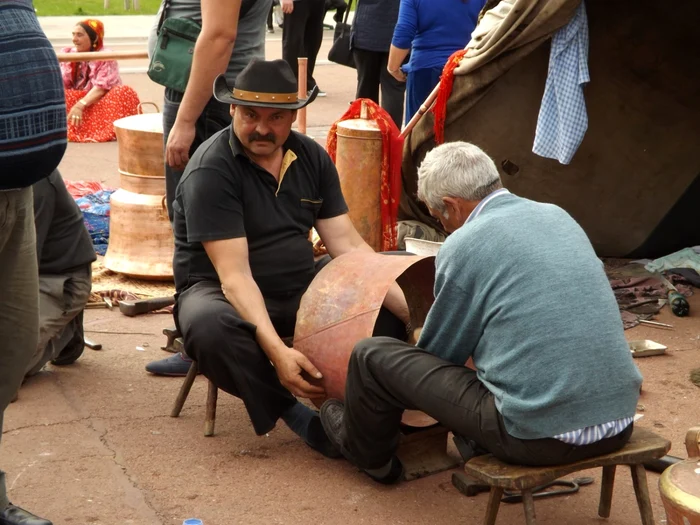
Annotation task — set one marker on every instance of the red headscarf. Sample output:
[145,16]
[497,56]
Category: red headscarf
[96,32]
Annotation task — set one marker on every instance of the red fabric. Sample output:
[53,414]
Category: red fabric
[81,188]
[444,91]
[98,119]
[392,148]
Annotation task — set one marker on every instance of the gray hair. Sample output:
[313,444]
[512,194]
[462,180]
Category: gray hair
[456,169]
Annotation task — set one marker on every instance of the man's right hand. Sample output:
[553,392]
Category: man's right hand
[177,150]
[287,6]
[289,366]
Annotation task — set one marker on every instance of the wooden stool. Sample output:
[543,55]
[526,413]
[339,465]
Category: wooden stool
[212,394]
[642,446]
[212,391]
[680,485]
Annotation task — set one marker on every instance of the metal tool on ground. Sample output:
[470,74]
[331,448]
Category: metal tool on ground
[542,492]
[91,344]
[143,306]
[662,463]
[655,323]
[173,342]
[676,300]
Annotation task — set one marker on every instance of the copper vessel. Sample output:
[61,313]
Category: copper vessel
[140,237]
[680,485]
[342,305]
[359,164]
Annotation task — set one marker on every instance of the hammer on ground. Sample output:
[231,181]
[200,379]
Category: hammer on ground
[143,306]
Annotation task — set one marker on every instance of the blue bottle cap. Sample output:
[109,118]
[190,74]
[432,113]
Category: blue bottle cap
[193,521]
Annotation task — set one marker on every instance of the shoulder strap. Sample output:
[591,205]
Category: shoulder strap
[347,12]
[166,5]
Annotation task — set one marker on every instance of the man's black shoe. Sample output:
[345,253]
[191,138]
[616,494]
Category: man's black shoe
[332,420]
[13,515]
[318,440]
[176,365]
[74,348]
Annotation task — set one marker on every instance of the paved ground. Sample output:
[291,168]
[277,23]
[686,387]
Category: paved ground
[92,444]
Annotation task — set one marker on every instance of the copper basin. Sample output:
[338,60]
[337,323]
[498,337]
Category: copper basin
[342,305]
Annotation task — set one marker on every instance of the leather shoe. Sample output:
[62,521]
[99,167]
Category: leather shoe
[332,420]
[176,365]
[13,515]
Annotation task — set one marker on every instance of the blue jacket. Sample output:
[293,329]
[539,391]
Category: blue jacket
[374,23]
[434,29]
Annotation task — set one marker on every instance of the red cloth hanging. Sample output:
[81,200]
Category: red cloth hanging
[392,151]
[444,91]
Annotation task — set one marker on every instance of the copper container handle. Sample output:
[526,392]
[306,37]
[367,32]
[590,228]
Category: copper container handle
[141,104]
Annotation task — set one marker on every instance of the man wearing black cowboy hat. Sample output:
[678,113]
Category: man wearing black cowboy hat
[242,215]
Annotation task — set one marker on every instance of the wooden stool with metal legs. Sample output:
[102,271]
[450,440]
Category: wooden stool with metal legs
[643,446]
[212,393]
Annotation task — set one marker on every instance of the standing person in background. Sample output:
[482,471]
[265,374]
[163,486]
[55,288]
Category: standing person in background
[192,117]
[302,34]
[372,30]
[431,30]
[33,138]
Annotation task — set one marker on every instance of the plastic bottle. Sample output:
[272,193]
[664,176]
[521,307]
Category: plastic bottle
[193,521]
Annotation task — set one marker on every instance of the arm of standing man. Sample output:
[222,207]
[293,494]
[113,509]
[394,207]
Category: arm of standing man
[404,33]
[212,53]
[230,259]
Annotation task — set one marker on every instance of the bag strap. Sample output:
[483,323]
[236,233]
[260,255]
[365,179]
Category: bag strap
[166,5]
[347,13]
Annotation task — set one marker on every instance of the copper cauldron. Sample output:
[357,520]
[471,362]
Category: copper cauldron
[359,163]
[140,237]
[342,305]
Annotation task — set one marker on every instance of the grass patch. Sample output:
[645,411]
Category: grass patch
[93,7]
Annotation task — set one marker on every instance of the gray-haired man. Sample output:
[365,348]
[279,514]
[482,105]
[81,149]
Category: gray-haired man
[518,289]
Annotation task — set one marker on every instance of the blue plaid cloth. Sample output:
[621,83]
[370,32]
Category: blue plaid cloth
[563,120]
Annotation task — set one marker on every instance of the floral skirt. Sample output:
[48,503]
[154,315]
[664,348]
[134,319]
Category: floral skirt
[98,119]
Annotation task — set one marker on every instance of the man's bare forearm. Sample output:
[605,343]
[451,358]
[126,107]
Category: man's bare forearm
[211,57]
[244,295]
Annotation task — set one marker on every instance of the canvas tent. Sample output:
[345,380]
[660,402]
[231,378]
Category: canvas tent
[634,183]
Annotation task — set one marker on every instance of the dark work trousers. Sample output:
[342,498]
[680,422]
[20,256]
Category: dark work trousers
[386,376]
[225,348]
[215,117]
[371,75]
[302,35]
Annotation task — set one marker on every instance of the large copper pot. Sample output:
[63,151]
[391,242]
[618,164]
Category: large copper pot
[140,237]
[342,305]
[359,164]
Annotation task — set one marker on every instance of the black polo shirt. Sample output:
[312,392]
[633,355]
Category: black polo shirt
[225,195]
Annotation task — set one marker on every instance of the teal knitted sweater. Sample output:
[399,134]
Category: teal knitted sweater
[520,290]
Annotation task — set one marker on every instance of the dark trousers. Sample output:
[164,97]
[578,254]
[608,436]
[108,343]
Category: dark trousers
[372,75]
[215,117]
[419,84]
[302,35]
[225,348]
[387,376]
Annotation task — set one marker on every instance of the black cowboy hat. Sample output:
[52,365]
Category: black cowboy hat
[263,83]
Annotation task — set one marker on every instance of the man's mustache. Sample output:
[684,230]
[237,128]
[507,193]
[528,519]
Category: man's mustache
[257,137]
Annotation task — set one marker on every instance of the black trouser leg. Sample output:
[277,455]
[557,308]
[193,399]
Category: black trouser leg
[269,17]
[368,64]
[371,75]
[393,93]
[225,348]
[386,376]
[293,34]
[313,37]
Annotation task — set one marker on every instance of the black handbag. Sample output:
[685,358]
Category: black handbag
[340,52]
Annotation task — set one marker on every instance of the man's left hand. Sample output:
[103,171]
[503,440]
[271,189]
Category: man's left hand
[180,139]
[398,74]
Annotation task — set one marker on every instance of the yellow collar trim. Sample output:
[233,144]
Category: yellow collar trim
[287,160]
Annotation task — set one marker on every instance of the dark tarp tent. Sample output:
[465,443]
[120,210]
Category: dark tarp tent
[634,183]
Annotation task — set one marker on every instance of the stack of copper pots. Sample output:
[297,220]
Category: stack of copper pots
[140,237]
